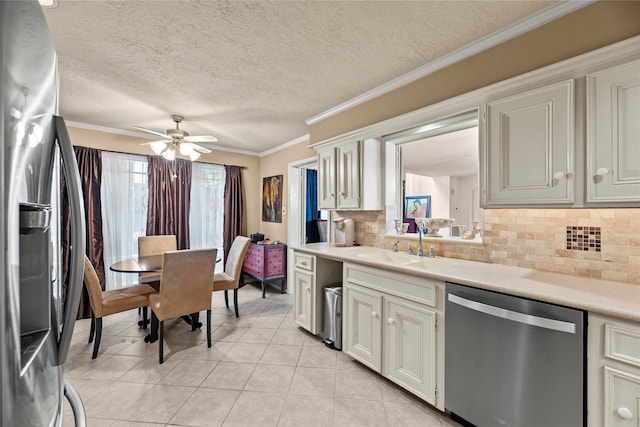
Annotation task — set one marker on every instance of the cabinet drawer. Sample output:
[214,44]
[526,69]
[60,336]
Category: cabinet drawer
[622,342]
[304,261]
[416,289]
[622,398]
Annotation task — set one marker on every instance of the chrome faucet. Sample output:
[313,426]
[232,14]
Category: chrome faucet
[420,231]
[395,245]
[431,254]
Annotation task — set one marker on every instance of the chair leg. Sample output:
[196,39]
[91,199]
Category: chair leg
[235,300]
[145,314]
[161,342]
[92,330]
[209,328]
[226,298]
[96,344]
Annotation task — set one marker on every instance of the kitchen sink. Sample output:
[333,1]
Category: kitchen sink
[405,259]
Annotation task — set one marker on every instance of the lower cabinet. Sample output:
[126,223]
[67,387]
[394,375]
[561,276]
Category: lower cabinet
[311,275]
[391,325]
[613,377]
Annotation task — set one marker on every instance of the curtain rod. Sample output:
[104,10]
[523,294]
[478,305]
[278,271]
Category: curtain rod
[124,152]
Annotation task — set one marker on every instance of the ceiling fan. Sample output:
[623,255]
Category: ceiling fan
[178,140]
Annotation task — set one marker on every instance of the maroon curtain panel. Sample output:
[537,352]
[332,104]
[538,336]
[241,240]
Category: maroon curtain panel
[169,198]
[90,168]
[233,206]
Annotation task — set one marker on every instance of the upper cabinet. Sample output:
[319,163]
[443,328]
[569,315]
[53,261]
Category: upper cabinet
[350,175]
[529,156]
[532,159]
[613,135]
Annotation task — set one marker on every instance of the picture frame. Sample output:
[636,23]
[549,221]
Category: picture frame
[416,207]
[272,198]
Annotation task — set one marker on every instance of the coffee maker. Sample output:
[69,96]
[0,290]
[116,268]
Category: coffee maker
[343,232]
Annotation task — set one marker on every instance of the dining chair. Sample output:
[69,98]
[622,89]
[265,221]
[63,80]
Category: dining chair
[155,245]
[185,288]
[104,303]
[230,277]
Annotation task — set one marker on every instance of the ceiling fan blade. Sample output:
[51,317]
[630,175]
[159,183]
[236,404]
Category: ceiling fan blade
[200,149]
[201,138]
[162,135]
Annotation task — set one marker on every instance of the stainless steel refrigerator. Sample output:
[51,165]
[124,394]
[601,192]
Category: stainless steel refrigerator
[36,319]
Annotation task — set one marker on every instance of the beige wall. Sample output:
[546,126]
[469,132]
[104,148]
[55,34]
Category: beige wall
[587,29]
[127,144]
[278,164]
[255,169]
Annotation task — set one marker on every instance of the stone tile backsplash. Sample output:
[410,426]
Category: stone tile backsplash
[538,239]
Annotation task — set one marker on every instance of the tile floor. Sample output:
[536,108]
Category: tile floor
[262,370]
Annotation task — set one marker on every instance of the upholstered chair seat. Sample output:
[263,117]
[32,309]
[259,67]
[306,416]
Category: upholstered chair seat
[230,278]
[104,303]
[185,288]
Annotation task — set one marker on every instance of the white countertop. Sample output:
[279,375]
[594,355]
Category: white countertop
[607,297]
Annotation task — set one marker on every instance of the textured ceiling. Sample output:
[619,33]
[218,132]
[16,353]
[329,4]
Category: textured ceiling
[249,73]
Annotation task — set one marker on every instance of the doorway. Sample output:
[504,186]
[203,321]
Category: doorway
[307,224]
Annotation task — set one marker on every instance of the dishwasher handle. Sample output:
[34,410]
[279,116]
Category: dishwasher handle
[527,319]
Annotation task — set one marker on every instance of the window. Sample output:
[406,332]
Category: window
[439,161]
[124,193]
[206,214]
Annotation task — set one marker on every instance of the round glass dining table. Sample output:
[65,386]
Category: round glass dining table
[143,264]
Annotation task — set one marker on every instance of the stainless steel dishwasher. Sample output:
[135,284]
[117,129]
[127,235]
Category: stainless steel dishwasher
[511,361]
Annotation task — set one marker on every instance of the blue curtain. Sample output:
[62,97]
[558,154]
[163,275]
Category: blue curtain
[313,214]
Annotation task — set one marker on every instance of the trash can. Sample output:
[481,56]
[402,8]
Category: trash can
[332,331]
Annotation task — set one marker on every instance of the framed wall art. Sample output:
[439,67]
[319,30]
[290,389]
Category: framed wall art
[272,198]
[417,207]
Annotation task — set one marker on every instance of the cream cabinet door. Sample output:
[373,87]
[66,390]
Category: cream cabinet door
[362,329]
[613,135]
[327,178]
[348,176]
[410,347]
[528,148]
[621,398]
[304,299]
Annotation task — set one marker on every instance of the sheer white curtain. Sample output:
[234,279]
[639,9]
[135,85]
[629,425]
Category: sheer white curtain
[124,192]
[207,208]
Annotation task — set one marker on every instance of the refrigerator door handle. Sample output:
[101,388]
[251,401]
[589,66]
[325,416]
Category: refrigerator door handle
[76,405]
[76,267]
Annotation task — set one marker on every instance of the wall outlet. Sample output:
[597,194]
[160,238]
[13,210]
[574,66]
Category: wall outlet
[371,227]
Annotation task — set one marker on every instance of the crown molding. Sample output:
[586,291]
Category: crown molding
[147,137]
[527,24]
[296,141]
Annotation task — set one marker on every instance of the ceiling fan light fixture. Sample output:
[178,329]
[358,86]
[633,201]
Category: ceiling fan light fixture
[158,146]
[169,153]
[194,155]
[186,148]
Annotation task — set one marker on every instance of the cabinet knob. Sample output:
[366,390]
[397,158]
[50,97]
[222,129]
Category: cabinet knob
[558,175]
[625,413]
[390,320]
[374,314]
[602,172]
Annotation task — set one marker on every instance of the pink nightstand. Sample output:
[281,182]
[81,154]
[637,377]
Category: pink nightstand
[266,263]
